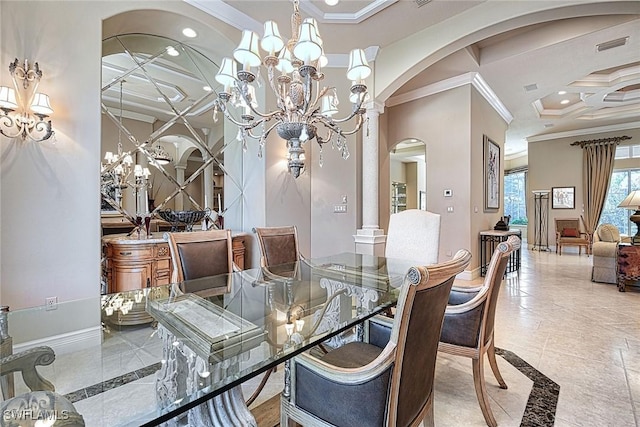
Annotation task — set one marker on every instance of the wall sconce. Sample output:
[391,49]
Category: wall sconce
[23,109]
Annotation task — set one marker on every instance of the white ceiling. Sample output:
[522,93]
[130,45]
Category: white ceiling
[525,65]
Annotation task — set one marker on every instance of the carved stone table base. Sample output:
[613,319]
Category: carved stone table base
[184,372]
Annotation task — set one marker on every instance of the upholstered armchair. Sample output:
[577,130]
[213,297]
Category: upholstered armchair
[379,383]
[568,233]
[605,254]
[469,322]
[414,235]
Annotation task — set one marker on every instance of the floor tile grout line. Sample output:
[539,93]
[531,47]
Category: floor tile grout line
[626,378]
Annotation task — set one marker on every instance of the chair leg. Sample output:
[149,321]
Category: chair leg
[491,355]
[481,391]
[428,420]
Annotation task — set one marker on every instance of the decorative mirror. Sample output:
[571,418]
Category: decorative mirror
[161,149]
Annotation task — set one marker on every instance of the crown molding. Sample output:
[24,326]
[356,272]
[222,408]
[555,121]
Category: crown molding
[357,17]
[471,78]
[586,131]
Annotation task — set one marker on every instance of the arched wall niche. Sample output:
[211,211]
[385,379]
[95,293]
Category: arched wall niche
[408,175]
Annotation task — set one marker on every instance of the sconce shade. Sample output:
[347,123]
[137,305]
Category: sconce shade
[8,98]
[271,41]
[247,51]
[309,46]
[632,201]
[358,66]
[40,104]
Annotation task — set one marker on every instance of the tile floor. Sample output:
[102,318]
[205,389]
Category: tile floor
[583,336]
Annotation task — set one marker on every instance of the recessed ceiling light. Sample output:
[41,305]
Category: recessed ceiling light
[207,88]
[562,92]
[172,51]
[189,32]
[331,2]
[564,101]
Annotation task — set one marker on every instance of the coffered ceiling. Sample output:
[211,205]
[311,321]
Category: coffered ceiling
[527,61]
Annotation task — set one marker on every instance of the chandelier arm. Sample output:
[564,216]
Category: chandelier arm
[225,112]
[256,112]
[264,133]
[320,94]
[335,129]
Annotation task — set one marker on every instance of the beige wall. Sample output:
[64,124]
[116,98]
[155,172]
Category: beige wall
[555,163]
[452,125]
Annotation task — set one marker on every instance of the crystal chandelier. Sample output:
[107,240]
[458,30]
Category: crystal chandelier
[116,171]
[23,110]
[293,71]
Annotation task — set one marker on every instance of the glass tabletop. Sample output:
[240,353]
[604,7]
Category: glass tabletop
[166,350]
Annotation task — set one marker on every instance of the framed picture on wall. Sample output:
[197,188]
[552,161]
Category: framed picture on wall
[563,197]
[491,175]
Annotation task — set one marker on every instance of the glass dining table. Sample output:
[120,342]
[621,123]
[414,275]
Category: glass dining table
[178,354]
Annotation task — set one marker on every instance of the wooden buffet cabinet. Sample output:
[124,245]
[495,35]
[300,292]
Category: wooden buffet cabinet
[132,263]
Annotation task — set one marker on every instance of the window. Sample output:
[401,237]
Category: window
[622,183]
[514,197]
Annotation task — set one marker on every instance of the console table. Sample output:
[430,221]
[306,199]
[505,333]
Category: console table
[489,240]
[628,266]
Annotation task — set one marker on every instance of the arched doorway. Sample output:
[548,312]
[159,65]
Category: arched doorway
[408,176]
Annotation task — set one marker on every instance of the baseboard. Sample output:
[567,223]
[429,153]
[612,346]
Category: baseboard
[67,342]
[469,274]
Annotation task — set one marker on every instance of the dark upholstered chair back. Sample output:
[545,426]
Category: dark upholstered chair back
[416,333]
[200,254]
[419,355]
[278,245]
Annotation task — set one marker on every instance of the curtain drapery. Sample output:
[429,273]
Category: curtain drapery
[598,156]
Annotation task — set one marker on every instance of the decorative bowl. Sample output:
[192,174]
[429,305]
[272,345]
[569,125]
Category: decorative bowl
[177,218]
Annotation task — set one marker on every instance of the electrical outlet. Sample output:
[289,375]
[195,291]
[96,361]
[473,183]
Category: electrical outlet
[51,303]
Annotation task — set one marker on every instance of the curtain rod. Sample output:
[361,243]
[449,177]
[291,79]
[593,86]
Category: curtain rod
[612,140]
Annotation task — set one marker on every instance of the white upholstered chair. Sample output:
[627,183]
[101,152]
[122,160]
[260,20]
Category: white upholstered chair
[414,235]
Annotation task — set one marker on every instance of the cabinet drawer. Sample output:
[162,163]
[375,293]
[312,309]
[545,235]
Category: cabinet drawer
[140,253]
[163,264]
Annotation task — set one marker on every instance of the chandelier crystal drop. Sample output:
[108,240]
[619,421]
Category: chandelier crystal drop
[305,108]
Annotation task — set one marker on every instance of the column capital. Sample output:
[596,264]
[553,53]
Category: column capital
[182,167]
[374,107]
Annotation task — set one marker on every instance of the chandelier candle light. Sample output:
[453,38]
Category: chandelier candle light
[23,110]
[293,69]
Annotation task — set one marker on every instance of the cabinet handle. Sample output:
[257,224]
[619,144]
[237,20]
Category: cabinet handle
[125,253]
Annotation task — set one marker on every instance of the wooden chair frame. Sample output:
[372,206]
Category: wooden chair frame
[584,240]
[476,297]
[391,357]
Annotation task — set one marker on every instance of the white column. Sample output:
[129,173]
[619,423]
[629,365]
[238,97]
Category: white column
[370,238]
[208,174]
[180,178]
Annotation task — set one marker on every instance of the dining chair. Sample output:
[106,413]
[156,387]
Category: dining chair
[468,324]
[42,396]
[200,254]
[379,383]
[414,235]
[279,251]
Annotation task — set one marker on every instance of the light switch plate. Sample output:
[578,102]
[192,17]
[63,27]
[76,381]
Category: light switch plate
[340,209]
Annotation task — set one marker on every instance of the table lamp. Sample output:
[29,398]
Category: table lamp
[632,201]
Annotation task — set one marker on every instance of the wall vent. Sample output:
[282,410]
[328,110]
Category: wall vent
[421,3]
[531,87]
[611,44]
